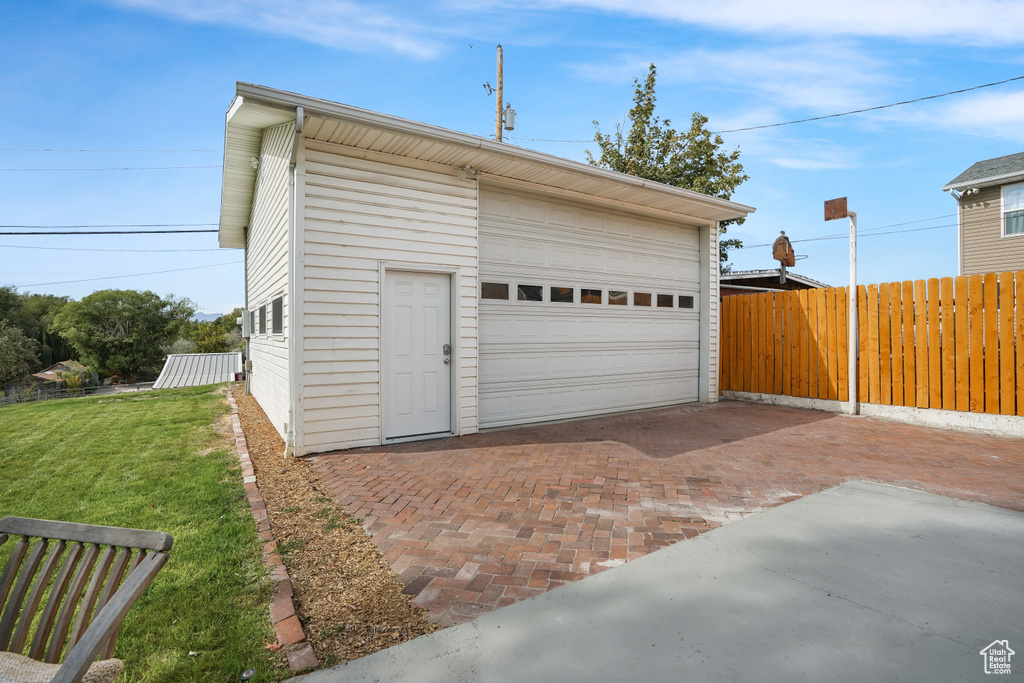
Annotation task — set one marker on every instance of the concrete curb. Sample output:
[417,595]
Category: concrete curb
[282,609]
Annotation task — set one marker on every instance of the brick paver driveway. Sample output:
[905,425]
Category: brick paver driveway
[475,523]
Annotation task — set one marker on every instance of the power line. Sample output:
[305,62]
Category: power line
[883,106]
[116,277]
[113,225]
[124,168]
[51,149]
[107,232]
[137,251]
[819,118]
[844,236]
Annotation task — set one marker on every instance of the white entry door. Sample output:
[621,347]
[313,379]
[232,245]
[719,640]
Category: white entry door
[417,354]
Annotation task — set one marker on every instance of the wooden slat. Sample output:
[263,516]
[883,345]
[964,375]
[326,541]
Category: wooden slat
[747,346]
[18,551]
[862,343]
[821,350]
[92,594]
[86,533]
[896,341]
[909,357]
[991,289]
[920,344]
[35,596]
[67,610]
[934,346]
[805,331]
[813,343]
[885,359]
[757,338]
[787,343]
[778,300]
[948,369]
[1007,379]
[769,366]
[18,592]
[976,308]
[833,349]
[724,365]
[843,334]
[961,321]
[1019,280]
[57,593]
[872,357]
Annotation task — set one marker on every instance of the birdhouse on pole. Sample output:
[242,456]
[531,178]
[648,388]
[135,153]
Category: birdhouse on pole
[782,251]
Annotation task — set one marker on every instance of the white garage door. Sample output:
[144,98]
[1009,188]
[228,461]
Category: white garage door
[583,311]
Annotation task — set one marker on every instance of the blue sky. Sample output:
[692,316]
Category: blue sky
[157,75]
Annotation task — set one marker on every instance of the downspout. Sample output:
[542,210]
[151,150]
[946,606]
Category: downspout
[294,432]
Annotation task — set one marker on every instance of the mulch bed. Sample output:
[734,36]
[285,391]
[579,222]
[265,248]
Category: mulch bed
[349,601]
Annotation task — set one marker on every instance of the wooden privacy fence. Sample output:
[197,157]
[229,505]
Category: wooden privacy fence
[955,343]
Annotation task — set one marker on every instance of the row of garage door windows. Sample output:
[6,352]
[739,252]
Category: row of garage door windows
[499,291]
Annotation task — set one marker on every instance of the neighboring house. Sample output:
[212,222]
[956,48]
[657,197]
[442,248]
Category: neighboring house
[747,281]
[53,373]
[198,369]
[990,209]
[406,281]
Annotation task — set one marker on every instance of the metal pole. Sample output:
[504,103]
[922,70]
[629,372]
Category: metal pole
[854,345]
[501,94]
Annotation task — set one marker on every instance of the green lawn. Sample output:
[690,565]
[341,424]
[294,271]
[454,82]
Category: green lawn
[152,460]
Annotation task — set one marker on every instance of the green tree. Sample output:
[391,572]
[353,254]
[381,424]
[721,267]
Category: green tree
[122,331]
[209,337]
[229,323]
[17,354]
[33,314]
[691,159]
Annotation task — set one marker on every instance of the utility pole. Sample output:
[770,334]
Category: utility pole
[500,91]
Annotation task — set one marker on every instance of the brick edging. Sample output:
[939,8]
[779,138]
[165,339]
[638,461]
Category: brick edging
[282,609]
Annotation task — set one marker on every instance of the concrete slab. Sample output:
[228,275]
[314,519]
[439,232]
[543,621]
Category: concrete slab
[861,582]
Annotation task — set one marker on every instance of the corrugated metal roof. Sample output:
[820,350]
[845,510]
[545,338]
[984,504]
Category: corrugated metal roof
[256,108]
[989,171]
[197,369]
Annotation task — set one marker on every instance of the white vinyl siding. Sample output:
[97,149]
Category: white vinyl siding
[544,360]
[266,258]
[363,208]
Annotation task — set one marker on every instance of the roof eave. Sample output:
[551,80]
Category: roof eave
[1003,179]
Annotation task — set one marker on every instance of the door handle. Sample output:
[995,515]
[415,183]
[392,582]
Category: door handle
[447,349]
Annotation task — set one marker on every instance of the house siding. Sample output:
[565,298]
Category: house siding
[361,209]
[266,259]
[983,247]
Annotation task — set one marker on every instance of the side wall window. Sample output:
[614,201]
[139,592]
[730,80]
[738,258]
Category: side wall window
[1013,209]
[263,319]
[277,315]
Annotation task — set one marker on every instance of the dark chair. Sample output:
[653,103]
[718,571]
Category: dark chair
[78,569]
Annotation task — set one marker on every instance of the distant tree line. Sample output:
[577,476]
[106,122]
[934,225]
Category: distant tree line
[120,334]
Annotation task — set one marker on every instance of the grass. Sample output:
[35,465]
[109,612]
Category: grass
[153,461]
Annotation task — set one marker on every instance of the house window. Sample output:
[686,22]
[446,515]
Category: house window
[494,290]
[617,298]
[263,319]
[686,302]
[252,323]
[530,293]
[590,296]
[641,299]
[277,315]
[563,295]
[1013,209]
[664,301]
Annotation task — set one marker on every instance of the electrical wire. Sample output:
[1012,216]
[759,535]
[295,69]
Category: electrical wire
[134,251]
[845,235]
[107,232]
[116,277]
[821,118]
[50,149]
[113,225]
[124,168]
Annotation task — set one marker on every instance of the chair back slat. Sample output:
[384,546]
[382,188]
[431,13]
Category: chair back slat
[35,596]
[92,593]
[11,570]
[150,557]
[67,610]
[57,592]
[117,572]
[17,597]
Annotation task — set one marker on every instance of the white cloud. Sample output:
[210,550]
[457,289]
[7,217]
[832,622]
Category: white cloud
[972,22]
[334,23]
[985,114]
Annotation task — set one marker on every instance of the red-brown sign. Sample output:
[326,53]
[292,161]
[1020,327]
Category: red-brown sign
[835,208]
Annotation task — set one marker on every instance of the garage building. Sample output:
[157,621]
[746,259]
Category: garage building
[405,281]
